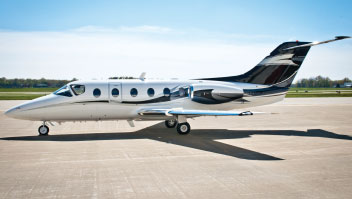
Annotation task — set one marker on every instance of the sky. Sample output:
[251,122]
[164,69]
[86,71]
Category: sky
[167,39]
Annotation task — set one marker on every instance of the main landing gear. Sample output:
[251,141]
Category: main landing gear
[171,123]
[183,128]
[181,124]
[43,129]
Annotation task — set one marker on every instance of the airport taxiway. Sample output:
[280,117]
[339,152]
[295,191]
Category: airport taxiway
[304,150]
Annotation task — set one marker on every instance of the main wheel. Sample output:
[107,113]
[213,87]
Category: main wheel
[183,128]
[43,130]
[170,123]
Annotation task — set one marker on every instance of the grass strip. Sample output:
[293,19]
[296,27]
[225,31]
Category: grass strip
[308,89]
[28,89]
[19,97]
[319,95]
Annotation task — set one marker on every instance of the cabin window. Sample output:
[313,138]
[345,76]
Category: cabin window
[134,92]
[78,89]
[166,92]
[150,92]
[97,92]
[63,91]
[115,92]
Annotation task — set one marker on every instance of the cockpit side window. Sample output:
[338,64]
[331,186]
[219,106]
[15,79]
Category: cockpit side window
[64,91]
[78,89]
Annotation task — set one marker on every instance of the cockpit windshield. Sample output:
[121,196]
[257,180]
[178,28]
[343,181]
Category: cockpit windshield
[64,91]
[78,89]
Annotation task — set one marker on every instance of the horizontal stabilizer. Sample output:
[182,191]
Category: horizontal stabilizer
[319,42]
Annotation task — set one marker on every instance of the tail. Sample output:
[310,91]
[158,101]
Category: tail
[280,67]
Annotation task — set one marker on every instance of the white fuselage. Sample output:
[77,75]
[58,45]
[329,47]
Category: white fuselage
[125,106]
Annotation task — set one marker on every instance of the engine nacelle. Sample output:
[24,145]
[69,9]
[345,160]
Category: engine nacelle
[214,94]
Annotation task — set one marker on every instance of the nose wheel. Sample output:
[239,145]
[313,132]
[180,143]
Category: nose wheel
[43,129]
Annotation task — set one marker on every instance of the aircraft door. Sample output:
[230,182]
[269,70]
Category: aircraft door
[115,92]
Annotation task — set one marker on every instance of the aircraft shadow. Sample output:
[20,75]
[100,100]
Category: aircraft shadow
[202,139]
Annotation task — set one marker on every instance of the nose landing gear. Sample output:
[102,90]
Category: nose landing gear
[43,129]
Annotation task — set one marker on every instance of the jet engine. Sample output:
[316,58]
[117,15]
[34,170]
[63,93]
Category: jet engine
[214,94]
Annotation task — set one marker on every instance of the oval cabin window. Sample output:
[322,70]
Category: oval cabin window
[115,92]
[134,92]
[97,92]
[166,92]
[150,92]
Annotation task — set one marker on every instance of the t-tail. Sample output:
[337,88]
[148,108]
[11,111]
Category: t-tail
[280,67]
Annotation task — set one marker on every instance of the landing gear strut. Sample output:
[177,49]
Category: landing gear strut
[43,129]
[171,123]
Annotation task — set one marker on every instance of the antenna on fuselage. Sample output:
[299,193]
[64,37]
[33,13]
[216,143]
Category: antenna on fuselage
[142,76]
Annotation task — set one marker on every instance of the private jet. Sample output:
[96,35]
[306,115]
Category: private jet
[174,101]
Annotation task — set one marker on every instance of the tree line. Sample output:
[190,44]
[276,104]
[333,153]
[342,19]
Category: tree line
[32,83]
[40,83]
[320,82]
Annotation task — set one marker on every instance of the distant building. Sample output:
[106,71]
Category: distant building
[41,85]
[345,85]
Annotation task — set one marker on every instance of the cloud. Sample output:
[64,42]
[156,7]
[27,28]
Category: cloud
[96,52]
[124,29]
[94,29]
[146,29]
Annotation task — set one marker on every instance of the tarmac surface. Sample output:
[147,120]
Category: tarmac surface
[302,151]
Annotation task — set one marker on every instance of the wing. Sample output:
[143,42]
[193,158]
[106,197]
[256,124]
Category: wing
[175,112]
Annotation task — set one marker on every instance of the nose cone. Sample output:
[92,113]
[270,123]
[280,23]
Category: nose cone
[34,109]
[13,112]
